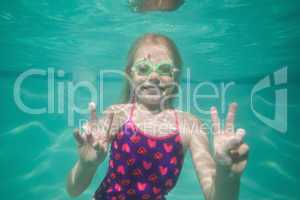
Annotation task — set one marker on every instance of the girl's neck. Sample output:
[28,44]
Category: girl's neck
[153,108]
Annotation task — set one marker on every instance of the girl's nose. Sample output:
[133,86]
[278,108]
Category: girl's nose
[154,77]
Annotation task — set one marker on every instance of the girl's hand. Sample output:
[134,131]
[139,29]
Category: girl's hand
[230,152]
[92,143]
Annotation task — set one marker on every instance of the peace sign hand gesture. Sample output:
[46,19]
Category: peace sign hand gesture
[230,151]
[93,143]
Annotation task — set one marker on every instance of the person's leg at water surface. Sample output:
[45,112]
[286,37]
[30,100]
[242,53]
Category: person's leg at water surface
[149,137]
[155,5]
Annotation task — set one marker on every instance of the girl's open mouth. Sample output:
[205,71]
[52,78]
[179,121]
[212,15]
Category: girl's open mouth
[151,89]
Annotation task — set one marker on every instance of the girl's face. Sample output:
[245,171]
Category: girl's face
[153,74]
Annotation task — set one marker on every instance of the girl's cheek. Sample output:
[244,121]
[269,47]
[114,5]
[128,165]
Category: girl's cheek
[166,79]
[138,79]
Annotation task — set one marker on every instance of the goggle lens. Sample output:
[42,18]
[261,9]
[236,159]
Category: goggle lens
[165,70]
[143,69]
[146,68]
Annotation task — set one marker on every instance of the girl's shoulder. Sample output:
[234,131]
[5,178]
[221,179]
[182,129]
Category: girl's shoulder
[120,110]
[120,116]
[191,126]
[119,107]
[187,117]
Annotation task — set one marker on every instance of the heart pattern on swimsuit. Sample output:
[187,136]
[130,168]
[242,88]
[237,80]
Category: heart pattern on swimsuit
[135,138]
[147,165]
[151,143]
[141,166]
[168,147]
[156,190]
[173,160]
[121,169]
[163,170]
[141,186]
[126,148]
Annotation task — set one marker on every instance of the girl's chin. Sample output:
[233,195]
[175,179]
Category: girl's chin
[150,99]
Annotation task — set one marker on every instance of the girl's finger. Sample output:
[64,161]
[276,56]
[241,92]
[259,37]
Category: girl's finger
[78,137]
[239,154]
[231,144]
[97,146]
[243,150]
[92,109]
[229,125]
[216,126]
[89,138]
[100,146]
[224,159]
[238,168]
[241,133]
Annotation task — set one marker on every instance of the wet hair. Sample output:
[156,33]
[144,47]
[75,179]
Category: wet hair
[150,38]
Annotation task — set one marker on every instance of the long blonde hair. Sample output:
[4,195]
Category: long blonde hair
[150,38]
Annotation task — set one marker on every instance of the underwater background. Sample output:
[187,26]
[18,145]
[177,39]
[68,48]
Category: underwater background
[235,42]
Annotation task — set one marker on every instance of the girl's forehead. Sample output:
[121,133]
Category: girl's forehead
[155,53]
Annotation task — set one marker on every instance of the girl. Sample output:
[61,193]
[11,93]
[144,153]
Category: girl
[149,138]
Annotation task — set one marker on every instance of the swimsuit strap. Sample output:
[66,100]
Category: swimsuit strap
[131,111]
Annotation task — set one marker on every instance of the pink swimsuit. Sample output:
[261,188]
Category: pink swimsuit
[141,166]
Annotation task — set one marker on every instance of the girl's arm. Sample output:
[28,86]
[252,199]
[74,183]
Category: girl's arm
[219,174]
[216,182]
[80,178]
[203,162]
[92,150]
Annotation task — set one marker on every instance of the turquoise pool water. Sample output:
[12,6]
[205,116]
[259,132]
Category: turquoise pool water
[226,41]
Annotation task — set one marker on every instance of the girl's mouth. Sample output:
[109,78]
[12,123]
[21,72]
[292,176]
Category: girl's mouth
[151,89]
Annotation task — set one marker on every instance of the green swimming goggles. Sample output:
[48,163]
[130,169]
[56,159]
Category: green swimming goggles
[145,67]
